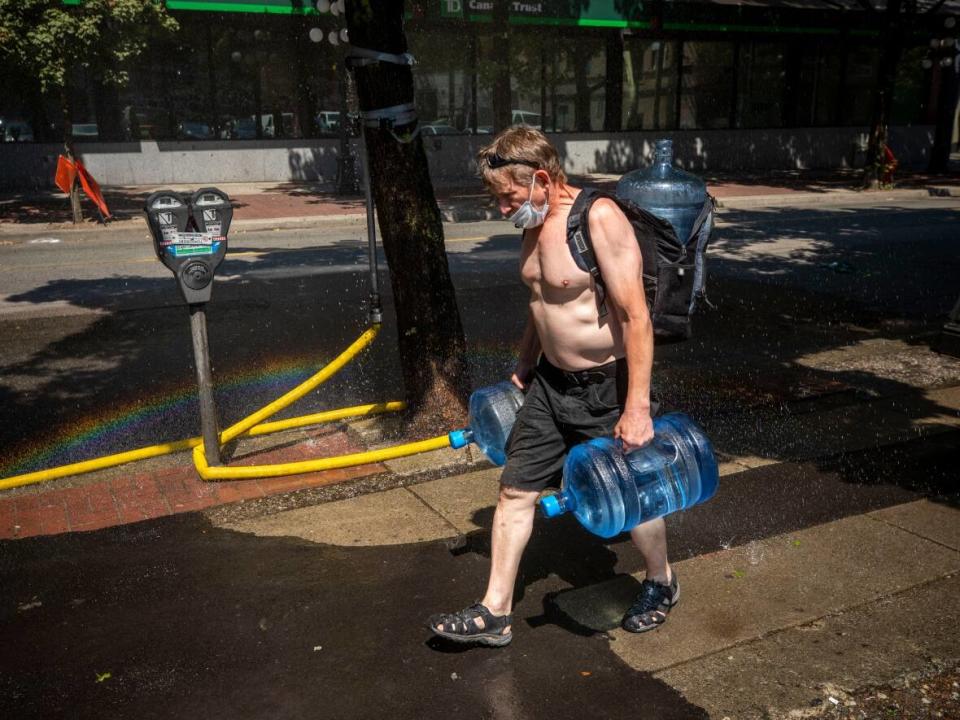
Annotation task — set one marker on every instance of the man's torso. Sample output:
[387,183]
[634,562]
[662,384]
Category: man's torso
[563,303]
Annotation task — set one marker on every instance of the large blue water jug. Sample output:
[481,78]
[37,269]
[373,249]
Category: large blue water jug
[493,410]
[610,492]
[668,192]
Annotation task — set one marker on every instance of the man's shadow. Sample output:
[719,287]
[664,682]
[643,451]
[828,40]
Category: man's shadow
[562,548]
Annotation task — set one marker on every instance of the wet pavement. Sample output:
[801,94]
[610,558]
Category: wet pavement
[179,617]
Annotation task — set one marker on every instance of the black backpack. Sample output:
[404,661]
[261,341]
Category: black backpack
[674,271]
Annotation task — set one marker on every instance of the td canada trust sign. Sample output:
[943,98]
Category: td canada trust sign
[596,13]
[455,8]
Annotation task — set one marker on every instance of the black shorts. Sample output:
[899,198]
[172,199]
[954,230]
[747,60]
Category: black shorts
[560,410]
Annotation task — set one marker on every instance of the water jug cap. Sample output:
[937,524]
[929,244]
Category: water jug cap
[460,438]
[551,506]
[663,151]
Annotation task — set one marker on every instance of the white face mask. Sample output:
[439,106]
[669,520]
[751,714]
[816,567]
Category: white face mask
[527,216]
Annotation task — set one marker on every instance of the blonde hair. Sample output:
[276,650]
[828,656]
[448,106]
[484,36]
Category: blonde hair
[522,143]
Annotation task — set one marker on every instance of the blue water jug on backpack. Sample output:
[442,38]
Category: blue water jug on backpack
[672,217]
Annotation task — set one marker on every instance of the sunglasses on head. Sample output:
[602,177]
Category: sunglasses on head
[496,161]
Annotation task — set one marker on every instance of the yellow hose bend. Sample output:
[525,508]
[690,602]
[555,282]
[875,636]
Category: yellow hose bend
[307,466]
[302,389]
[253,423]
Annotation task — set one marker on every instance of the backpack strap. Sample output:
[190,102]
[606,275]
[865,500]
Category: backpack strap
[581,247]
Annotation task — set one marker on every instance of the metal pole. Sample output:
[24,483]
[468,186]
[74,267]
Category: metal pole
[208,411]
[375,313]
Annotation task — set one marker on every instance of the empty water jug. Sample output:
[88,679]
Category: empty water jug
[610,492]
[493,410]
[668,192]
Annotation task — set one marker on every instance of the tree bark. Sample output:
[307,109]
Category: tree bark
[891,50]
[946,112]
[613,107]
[502,94]
[431,341]
[75,209]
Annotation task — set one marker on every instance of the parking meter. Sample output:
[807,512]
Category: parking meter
[190,238]
[182,240]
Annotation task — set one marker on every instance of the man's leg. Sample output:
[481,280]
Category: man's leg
[512,525]
[651,540]
[660,591]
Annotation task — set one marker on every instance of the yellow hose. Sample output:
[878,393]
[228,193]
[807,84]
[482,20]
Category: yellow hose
[98,463]
[306,466]
[152,451]
[254,425]
[302,389]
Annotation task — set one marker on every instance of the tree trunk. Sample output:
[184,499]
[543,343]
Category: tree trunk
[892,48]
[502,95]
[613,104]
[946,113]
[75,208]
[431,341]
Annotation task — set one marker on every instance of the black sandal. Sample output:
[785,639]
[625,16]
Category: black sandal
[652,606]
[463,627]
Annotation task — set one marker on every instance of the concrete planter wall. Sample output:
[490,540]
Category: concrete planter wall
[28,166]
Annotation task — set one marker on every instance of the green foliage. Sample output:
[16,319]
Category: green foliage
[46,39]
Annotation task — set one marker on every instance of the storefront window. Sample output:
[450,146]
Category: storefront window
[911,88]
[819,85]
[707,85]
[761,78]
[443,80]
[649,84]
[861,84]
[576,85]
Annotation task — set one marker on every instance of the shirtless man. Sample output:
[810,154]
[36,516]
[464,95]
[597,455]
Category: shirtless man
[583,376]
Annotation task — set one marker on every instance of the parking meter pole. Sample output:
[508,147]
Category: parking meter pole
[190,238]
[209,424]
[375,312]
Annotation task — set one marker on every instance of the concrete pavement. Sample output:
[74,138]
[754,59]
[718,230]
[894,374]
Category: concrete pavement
[779,614]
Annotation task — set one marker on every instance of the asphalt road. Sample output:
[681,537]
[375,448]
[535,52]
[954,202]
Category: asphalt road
[98,356]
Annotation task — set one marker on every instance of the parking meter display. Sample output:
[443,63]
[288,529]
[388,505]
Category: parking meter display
[190,236]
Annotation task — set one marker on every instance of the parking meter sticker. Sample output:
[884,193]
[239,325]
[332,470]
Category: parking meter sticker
[182,250]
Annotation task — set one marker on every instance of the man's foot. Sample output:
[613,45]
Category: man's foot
[473,624]
[652,605]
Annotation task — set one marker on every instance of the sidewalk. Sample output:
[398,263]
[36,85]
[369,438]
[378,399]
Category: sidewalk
[281,204]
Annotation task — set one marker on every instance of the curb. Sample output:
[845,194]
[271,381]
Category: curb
[836,197]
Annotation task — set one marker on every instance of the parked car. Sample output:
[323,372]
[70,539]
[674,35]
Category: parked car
[15,131]
[328,121]
[438,128]
[85,131]
[193,130]
[526,117]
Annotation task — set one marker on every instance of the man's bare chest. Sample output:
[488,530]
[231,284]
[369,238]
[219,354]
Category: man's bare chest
[546,263]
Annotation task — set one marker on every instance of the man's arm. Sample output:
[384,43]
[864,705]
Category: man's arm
[529,352]
[621,265]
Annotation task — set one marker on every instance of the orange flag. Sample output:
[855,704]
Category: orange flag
[92,190]
[66,173]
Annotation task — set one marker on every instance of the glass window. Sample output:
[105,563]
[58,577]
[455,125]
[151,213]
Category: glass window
[860,84]
[649,84]
[576,83]
[707,85]
[760,85]
[818,91]
[911,88]
[443,80]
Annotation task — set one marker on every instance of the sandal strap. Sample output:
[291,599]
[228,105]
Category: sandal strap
[652,597]
[464,622]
